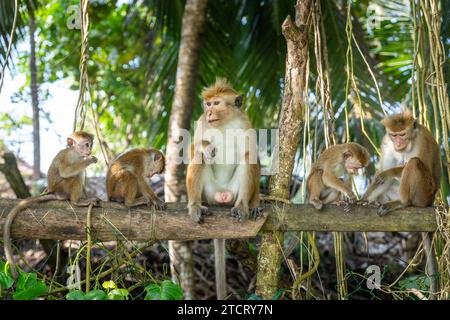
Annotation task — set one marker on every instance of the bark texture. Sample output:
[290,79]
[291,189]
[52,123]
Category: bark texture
[295,91]
[185,92]
[112,221]
[13,176]
[34,98]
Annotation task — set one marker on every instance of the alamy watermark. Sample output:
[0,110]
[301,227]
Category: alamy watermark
[373,273]
[229,147]
[74,19]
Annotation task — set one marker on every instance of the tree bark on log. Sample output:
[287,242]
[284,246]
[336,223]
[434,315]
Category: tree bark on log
[181,261]
[62,221]
[295,91]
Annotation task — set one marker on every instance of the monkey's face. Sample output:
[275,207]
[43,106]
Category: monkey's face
[217,111]
[401,139]
[82,146]
[352,164]
[155,163]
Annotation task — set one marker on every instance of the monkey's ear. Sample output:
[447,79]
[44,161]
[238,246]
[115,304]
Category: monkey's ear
[348,154]
[157,156]
[70,142]
[238,101]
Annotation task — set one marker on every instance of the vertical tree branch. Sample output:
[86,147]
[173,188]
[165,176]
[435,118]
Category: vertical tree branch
[295,91]
[34,96]
[187,73]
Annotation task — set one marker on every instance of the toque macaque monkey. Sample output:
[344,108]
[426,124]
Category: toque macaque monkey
[65,180]
[236,182]
[409,168]
[324,184]
[223,131]
[126,180]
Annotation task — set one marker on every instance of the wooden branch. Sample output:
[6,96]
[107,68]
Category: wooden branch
[59,220]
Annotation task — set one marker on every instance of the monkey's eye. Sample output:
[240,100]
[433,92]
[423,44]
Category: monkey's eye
[216,103]
[208,104]
[401,135]
[86,144]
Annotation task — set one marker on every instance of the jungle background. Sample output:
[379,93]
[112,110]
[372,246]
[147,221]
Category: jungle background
[366,59]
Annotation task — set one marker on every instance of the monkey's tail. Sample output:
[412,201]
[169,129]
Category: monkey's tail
[220,268]
[9,220]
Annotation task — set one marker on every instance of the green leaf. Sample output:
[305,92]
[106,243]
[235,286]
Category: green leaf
[28,287]
[418,282]
[278,294]
[118,294]
[96,295]
[254,297]
[6,280]
[166,291]
[109,285]
[75,295]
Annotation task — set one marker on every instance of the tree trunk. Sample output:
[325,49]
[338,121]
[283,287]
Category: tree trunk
[295,91]
[34,99]
[13,176]
[187,73]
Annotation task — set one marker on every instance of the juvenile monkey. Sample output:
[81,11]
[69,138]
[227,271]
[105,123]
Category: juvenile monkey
[324,184]
[126,180]
[65,179]
[409,168]
[224,168]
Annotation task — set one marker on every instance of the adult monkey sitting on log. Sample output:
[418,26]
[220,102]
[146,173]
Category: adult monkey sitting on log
[65,179]
[410,169]
[224,168]
[410,154]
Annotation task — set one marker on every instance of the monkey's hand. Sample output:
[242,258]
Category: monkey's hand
[350,198]
[255,213]
[92,159]
[196,212]
[158,204]
[240,213]
[209,152]
[380,178]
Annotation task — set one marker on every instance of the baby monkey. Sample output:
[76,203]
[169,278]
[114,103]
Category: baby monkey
[126,180]
[65,179]
[324,183]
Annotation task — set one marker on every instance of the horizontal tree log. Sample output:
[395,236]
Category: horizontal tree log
[111,221]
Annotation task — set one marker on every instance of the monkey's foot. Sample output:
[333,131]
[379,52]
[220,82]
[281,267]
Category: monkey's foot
[197,212]
[383,210]
[255,213]
[240,213]
[316,204]
[159,205]
[347,204]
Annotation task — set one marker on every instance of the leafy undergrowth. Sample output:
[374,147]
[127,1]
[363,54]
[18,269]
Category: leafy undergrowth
[27,286]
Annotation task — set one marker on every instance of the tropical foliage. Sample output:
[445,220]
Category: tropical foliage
[367,58]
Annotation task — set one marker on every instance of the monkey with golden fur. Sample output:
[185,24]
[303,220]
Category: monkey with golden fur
[409,168]
[324,184]
[65,178]
[126,180]
[224,168]
[210,177]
